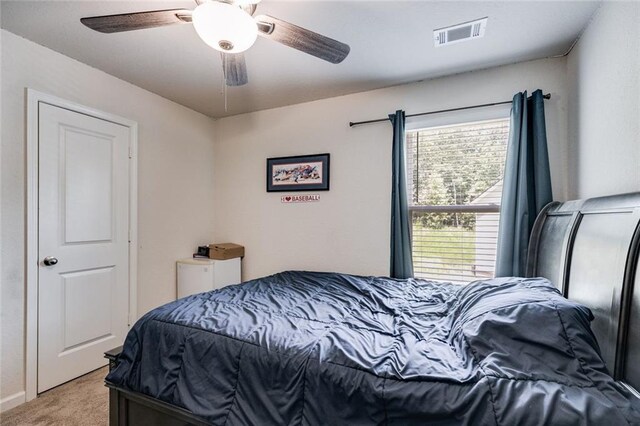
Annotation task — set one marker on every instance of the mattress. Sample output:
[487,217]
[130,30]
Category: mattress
[312,348]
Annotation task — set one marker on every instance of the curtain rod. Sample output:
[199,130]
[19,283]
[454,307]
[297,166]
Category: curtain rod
[380,120]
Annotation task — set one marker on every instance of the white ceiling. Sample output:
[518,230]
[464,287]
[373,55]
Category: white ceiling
[391,43]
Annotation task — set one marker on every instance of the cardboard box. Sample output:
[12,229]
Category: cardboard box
[224,251]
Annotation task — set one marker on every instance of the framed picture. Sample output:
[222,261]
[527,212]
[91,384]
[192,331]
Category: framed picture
[299,173]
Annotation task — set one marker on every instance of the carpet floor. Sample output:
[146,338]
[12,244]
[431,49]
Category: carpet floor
[82,402]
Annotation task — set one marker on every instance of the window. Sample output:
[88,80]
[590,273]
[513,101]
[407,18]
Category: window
[454,181]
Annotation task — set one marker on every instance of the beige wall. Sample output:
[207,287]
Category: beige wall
[175,180]
[348,230]
[603,72]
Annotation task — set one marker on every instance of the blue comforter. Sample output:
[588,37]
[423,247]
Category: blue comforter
[331,349]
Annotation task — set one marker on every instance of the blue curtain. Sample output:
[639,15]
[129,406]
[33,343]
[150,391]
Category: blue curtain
[401,262]
[527,183]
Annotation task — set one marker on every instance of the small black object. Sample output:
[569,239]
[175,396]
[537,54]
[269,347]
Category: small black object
[112,356]
[202,251]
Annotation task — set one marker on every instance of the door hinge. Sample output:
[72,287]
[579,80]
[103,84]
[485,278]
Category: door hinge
[130,151]
[129,235]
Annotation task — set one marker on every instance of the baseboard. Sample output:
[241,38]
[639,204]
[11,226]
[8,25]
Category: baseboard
[12,401]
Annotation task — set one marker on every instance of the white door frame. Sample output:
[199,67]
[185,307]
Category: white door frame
[31,324]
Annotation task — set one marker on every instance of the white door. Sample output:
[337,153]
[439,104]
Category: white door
[83,282]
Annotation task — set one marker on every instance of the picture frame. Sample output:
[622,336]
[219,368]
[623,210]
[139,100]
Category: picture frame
[298,173]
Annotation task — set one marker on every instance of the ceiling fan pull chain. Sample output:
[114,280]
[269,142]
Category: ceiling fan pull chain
[224,72]
[224,78]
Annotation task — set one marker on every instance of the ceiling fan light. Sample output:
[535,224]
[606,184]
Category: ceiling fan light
[225,27]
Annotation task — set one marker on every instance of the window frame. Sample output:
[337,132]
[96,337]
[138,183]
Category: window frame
[429,122]
[443,119]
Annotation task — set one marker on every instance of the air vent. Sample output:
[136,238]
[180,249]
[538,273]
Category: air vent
[461,32]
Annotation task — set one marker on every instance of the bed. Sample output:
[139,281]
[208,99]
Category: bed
[325,348]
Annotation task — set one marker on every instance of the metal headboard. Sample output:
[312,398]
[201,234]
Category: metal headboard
[589,250]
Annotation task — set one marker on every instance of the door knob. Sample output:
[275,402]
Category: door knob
[50,261]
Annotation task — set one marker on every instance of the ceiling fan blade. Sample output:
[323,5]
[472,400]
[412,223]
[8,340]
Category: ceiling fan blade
[137,21]
[302,39]
[235,69]
[249,8]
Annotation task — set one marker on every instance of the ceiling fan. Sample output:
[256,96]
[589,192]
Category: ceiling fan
[229,27]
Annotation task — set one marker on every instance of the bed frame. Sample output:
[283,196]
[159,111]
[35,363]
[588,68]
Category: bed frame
[589,249]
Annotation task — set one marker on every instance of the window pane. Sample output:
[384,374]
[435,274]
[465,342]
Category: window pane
[460,165]
[460,249]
